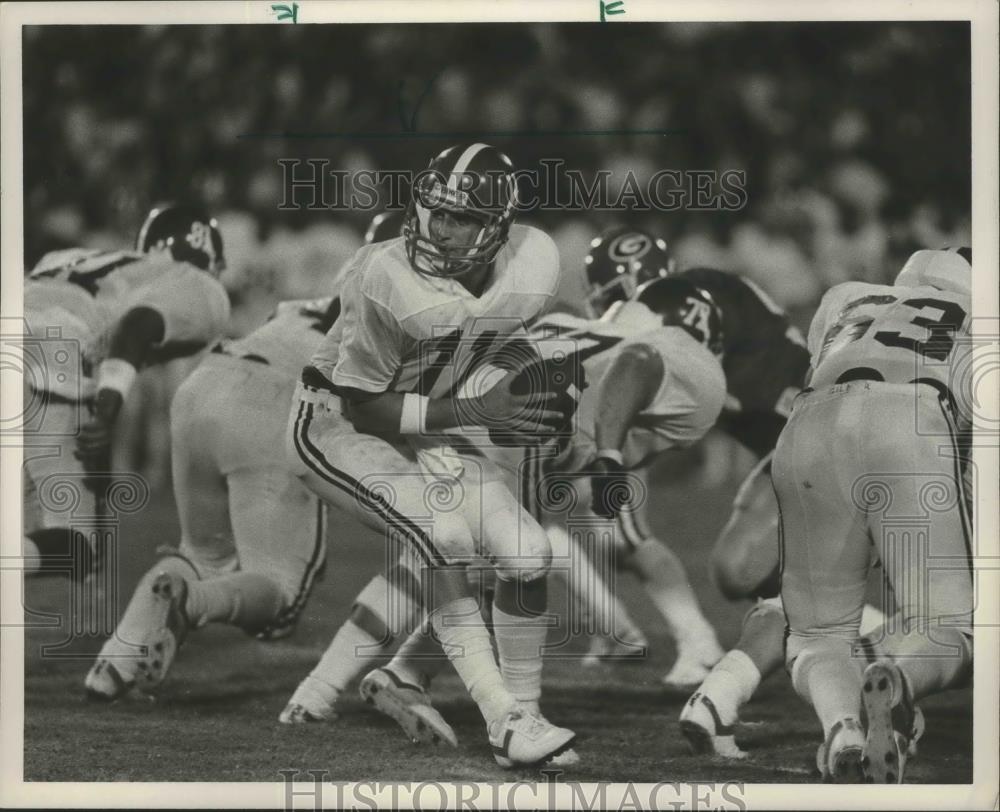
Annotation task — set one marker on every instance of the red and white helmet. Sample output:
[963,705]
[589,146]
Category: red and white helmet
[945,269]
[474,179]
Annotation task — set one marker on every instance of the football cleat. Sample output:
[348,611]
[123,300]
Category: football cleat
[307,705]
[704,731]
[166,632]
[894,723]
[604,649]
[105,682]
[839,757]
[523,739]
[408,705]
[145,643]
[296,714]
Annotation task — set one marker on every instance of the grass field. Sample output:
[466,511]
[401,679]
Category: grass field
[216,717]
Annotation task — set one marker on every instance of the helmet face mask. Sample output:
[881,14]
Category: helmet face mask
[475,181]
[620,261]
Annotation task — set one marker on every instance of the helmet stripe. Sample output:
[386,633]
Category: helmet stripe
[463,163]
[141,239]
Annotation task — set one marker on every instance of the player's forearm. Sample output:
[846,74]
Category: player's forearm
[393,413]
[131,342]
[624,391]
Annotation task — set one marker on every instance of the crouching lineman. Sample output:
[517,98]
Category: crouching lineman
[367,428]
[97,318]
[657,351]
[253,537]
[764,360]
[876,436]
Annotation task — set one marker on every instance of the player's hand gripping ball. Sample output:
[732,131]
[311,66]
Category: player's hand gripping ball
[559,374]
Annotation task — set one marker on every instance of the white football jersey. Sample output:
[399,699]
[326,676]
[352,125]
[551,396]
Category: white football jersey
[902,334]
[400,331]
[290,336]
[73,300]
[686,404]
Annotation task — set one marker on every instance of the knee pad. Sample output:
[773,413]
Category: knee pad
[532,562]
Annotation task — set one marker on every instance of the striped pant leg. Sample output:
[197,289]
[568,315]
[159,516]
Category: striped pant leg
[378,482]
[279,527]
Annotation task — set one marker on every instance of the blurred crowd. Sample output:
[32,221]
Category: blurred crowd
[854,137]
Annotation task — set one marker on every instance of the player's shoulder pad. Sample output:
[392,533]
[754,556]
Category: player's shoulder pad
[378,270]
[534,257]
[64,257]
[203,287]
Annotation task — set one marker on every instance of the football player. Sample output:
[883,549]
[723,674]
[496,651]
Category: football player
[765,360]
[96,318]
[660,386]
[372,428]
[252,535]
[877,436]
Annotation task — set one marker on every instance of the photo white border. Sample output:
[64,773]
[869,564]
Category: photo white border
[983,15]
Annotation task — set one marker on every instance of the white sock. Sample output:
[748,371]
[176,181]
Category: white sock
[244,599]
[827,677]
[419,658]
[519,643]
[350,652]
[731,684]
[465,640]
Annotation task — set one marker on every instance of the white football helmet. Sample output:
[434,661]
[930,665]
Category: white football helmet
[945,269]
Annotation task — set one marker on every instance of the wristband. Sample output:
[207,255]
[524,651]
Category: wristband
[413,417]
[612,454]
[116,374]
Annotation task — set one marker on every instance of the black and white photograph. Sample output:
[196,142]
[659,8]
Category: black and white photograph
[578,407]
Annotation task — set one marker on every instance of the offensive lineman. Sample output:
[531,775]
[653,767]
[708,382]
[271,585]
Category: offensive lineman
[368,427]
[252,536]
[98,317]
[765,360]
[878,435]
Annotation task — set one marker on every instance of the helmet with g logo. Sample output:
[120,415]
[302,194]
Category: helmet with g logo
[619,262]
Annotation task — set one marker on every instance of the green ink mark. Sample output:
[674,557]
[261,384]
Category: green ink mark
[287,12]
[617,7]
